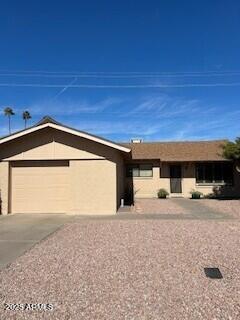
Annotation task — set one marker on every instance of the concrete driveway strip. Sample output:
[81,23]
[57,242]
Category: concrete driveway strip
[20,232]
[198,210]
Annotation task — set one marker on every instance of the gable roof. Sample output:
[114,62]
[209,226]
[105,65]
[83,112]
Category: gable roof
[47,119]
[164,151]
[48,122]
[178,151]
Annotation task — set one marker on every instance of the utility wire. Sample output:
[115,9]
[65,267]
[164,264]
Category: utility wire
[117,74]
[120,76]
[131,86]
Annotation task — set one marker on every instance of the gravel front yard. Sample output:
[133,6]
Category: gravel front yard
[177,206]
[231,207]
[157,206]
[132,269]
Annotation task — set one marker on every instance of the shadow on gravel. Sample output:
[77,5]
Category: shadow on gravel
[199,210]
[142,216]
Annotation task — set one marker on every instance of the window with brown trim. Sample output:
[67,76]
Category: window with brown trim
[208,173]
[139,170]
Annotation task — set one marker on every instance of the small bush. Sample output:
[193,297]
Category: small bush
[196,194]
[162,193]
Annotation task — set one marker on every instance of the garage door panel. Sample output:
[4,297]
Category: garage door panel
[40,187]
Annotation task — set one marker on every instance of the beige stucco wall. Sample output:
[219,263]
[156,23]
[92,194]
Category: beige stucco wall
[93,187]
[4,187]
[148,187]
[95,170]
[51,144]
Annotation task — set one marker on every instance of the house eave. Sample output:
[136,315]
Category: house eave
[67,130]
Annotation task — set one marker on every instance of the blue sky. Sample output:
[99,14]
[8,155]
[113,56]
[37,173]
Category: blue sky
[160,70]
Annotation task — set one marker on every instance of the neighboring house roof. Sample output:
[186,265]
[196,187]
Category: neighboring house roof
[48,122]
[178,151]
[47,119]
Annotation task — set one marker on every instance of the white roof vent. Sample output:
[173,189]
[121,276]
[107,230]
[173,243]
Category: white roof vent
[136,140]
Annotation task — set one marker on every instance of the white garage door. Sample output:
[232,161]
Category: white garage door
[40,187]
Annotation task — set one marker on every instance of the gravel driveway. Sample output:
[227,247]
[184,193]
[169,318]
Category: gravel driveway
[230,207]
[132,269]
[183,206]
[157,206]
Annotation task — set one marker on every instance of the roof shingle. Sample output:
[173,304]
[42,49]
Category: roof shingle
[178,151]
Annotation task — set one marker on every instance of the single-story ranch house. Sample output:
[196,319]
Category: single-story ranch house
[51,168]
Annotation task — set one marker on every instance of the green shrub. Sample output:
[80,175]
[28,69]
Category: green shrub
[162,193]
[196,194]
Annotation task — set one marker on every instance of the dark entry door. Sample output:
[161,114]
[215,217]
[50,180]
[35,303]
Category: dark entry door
[176,179]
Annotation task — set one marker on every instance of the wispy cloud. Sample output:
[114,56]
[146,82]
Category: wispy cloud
[208,125]
[164,106]
[151,104]
[123,128]
[152,117]
[71,108]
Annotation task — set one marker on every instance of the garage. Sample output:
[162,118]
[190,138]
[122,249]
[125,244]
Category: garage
[52,168]
[40,186]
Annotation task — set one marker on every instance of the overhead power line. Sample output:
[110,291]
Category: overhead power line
[130,86]
[121,76]
[117,72]
[105,74]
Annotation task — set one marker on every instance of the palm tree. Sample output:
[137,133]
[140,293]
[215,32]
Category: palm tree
[8,111]
[26,116]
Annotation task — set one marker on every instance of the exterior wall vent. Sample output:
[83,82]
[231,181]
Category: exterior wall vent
[136,140]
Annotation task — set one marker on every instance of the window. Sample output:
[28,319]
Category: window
[139,170]
[214,173]
[208,173]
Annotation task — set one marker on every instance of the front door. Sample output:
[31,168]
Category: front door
[175,179]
